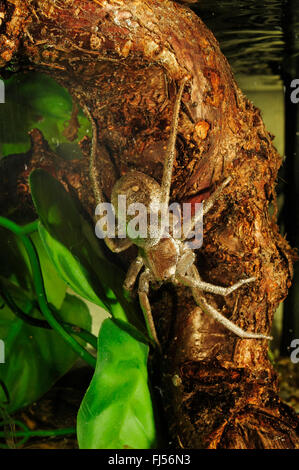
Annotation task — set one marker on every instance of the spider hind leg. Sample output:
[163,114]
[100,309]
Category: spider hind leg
[211,311]
[143,291]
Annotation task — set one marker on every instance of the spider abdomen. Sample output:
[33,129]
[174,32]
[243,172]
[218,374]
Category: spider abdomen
[137,187]
[136,199]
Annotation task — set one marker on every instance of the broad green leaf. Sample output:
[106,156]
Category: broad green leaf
[14,260]
[36,100]
[15,266]
[22,298]
[73,272]
[55,287]
[116,411]
[35,358]
[72,246]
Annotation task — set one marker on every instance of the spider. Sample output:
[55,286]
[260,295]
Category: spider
[162,259]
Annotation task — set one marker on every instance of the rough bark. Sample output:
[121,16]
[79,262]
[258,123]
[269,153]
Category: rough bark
[124,59]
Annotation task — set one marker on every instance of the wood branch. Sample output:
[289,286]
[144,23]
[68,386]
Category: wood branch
[124,59]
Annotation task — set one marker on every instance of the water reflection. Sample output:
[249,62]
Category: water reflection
[250,32]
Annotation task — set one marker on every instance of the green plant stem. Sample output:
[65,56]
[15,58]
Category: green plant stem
[41,433]
[73,329]
[26,433]
[30,228]
[40,291]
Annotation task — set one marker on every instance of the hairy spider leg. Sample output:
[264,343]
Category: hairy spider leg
[186,260]
[209,310]
[133,271]
[207,287]
[207,205]
[170,152]
[116,245]
[93,172]
[143,291]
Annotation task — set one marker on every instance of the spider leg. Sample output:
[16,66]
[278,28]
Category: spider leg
[143,291]
[93,172]
[117,245]
[184,263]
[209,310]
[170,152]
[114,244]
[207,205]
[133,272]
[207,287]
[213,198]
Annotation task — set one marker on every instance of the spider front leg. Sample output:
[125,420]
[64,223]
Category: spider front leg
[186,260]
[143,291]
[116,245]
[209,310]
[133,271]
[213,198]
[207,205]
[170,152]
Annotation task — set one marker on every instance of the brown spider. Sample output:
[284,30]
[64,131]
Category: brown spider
[161,259]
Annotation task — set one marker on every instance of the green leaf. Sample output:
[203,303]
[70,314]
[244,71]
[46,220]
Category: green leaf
[36,100]
[73,272]
[35,358]
[55,287]
[15,266]
[116,411]
[24,301]
[74,249]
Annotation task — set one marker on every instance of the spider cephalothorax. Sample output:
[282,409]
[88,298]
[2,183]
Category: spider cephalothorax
[161,257]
